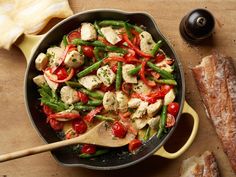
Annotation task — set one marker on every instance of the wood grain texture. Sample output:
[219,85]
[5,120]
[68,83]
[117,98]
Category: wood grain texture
[17,132]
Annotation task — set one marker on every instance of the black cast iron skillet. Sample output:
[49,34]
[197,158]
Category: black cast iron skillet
[118,157]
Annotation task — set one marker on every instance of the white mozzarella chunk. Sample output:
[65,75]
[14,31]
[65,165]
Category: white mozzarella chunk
[128,78]
[90,82]
[106,75]
[109,101]
[122,100]
[169,97]
[69,95]
[88,32]
[153,122]
[141,88]
[74,59]
[140,123]
[51,84]
[134,103]
[152,109]
[54,54]
[39,80]
[165,66]
[146,42]
[110,35]
[41,61]
[141,111]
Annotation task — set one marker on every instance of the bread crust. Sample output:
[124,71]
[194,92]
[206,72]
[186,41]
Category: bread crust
[203,166]
[216,81]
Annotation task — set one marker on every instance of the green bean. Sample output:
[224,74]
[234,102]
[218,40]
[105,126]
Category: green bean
[162,125]
[92,93]
[80,107]
[89,69]
[96,51]
[65,40]
[111,23]
[162,72]
[97,153]
[93,43]
[73,84]
[94,102]
[165,81]
[119,76]
[135,70]
[147,134]
[156,48]
[120,24]
[104,118]
[127,29]
[98,28]
[116,49]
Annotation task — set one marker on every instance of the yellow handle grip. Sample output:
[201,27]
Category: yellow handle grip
[28,45]
[163,153]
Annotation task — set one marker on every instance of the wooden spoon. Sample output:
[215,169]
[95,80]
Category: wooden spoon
[99,135]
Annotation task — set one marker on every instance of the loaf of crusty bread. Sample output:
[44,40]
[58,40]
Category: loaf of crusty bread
[203,166]
[216,81]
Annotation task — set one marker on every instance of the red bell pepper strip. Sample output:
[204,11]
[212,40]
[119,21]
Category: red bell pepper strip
[121,59]
[136,49]
[146,98]
[69,116]
[70,75]
[62,58]
[82,97]
[89,117]
[142,75]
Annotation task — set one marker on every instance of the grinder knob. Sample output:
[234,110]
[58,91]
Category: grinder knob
[197,25]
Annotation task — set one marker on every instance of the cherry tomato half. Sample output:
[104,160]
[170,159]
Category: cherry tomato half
[79,126]
[118,130]
[61,73]
[173,108]
[134,145]
[56,125]
[47,110]
[88,149]
[165,89]
[160,57]
[74,35]
[88,51]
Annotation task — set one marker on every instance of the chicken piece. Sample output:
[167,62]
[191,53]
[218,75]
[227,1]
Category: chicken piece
[90,82]
[152,109]
[115,54]
[51,84]
[106,75]
[141,88]
[109,101]
[146,42]
[110,35]
[128,78]
[169,97]
[140,123]
[134,103]
[41,61]
[74,59]
[122,100]
[141,111]
[88,32]
[165,66]
[54,54]
[154,122]
[39,80]
[69,95]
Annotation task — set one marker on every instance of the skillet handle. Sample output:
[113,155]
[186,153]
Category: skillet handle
[28,44]
[188,110]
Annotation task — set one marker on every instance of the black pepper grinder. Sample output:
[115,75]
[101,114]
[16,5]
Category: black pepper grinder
[197,25]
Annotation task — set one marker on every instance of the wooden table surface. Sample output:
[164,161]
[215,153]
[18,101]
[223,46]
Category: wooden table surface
[17,132]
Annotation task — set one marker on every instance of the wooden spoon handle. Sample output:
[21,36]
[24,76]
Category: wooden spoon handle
[36,150]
